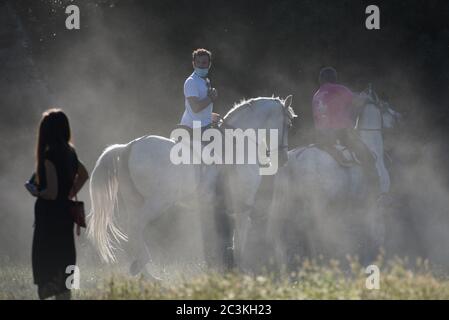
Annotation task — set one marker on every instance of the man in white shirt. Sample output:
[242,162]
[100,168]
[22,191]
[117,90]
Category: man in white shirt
[198,92]
[199,99]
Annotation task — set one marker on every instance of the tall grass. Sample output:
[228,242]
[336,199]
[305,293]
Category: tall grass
[315,279]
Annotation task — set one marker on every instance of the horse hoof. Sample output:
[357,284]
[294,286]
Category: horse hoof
[150,277]
[135,268]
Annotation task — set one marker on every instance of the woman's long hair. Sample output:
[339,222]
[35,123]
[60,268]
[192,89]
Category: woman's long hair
[54,133]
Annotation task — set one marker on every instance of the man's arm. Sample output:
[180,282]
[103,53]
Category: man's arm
[197,104]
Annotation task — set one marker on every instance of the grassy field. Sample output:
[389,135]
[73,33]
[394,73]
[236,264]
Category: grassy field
[314,280]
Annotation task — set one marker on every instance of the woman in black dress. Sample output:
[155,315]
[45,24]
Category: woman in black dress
[59,176]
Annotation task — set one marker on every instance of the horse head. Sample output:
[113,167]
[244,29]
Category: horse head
[385,117]
[390,118]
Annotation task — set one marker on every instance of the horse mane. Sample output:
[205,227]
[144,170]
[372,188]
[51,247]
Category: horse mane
[248,103]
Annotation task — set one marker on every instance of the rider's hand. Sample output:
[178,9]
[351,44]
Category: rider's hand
[213,94]
[215,117]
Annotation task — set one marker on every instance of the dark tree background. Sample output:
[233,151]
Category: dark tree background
[260,47]
[121,75]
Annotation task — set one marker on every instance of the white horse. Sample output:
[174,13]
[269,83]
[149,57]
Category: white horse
[315,200]
[142,176]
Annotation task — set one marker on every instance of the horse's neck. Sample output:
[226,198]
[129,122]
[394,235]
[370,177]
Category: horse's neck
[370,118]
[242,119]
[247,117]
[373,140]
[370,126]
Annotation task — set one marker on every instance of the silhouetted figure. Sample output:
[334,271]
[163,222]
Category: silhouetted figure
[59,176]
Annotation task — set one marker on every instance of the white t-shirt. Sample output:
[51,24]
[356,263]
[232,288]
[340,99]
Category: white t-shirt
[195,86]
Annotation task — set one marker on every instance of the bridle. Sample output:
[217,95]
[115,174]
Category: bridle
[286,116]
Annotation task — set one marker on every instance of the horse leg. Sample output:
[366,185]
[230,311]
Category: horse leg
[283,233]
[280,256]
[224,223]
[240,239]
[150,212]
[297,234]
[277,255]
[210,218]
[376,230]
[244,223]
[224,226]
[290,242]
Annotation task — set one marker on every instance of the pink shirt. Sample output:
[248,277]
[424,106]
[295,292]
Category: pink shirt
[332,107]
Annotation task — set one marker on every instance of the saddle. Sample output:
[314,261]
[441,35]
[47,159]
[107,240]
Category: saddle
[342,154]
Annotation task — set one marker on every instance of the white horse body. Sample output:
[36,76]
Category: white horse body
[154,176]
[149,183]
[316,198]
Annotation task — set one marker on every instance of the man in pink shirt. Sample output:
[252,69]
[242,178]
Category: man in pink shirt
[334,111]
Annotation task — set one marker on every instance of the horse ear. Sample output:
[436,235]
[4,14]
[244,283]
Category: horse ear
[288,101]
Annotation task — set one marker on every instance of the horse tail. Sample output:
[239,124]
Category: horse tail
[103,189]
